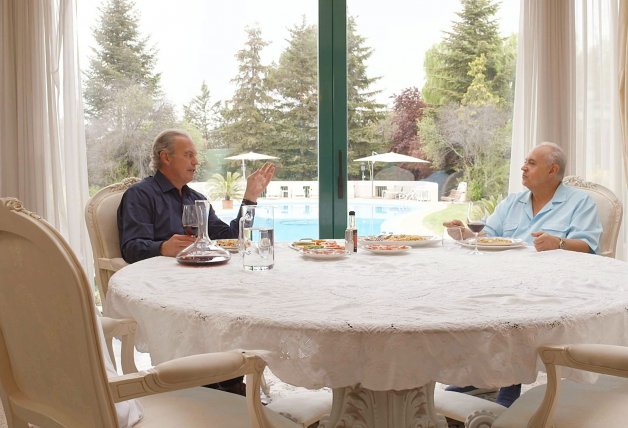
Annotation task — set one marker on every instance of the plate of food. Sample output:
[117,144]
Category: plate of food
[493,243]
[402,239]
[230,245]
[315,244]
[386,248]
[323,253]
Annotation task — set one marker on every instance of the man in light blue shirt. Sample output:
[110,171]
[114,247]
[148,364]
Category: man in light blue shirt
[549,215]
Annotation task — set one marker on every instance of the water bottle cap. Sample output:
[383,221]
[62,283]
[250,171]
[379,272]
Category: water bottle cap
[351,212]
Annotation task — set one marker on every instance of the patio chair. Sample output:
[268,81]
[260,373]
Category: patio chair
[459,194]
[609,209]
[52,372]
[559,403]
[102,225]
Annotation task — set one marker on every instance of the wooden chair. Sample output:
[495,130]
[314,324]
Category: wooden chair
[52,372]
[102,225]
[609,209]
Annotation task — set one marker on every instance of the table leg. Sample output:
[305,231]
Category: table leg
[359,407]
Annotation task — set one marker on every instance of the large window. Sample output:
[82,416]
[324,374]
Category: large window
[284,79]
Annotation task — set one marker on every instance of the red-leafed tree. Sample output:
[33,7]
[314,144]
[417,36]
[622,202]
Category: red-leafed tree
[407,112]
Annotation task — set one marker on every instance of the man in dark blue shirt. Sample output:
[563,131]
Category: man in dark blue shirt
[149,215]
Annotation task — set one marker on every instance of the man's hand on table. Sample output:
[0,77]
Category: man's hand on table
[466,233]
[175,244]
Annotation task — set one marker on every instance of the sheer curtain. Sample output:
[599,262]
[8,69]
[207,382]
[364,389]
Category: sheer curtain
[42,139]
[567,91]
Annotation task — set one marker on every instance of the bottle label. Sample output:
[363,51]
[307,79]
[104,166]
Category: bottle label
[355,240]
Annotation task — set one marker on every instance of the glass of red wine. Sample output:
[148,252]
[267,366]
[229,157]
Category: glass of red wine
[476,219]
[190,220]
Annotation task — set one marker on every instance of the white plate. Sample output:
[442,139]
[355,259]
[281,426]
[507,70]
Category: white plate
[393,249]
[429,240]
[324,254]
[494,246]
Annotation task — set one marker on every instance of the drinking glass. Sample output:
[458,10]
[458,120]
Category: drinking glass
[451,237]
[476,219]
[257,237]
[189,219]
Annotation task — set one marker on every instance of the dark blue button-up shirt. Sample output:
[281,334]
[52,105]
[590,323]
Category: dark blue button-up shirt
[150,213]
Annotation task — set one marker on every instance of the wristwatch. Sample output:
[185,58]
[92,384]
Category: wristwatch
[561,244]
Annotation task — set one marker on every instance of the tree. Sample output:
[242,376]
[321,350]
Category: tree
[204,115]
[124,102]
[120,141]
[407,112]
[246,115]
[478,93]
[121,59]
[364,113]
[294,82]
[479,138]
[475,34]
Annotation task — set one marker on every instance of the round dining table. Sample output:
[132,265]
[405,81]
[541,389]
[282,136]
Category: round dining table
[380,329]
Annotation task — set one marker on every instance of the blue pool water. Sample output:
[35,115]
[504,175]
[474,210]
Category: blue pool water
[295,219]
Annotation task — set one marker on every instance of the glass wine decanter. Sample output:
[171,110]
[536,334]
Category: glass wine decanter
[203,250]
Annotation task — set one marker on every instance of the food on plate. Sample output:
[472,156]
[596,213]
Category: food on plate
[401,237]
[384,247]
[494,240]
[313,244]
[227,243]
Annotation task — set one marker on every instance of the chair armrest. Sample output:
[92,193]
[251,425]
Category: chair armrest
[603,359]
[114,264]
[125,330]
[197,370]
[187,372]
[474,411]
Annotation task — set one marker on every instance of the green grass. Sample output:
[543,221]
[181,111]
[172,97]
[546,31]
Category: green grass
[434,221]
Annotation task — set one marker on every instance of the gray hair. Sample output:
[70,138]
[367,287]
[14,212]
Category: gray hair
[555,155]
[165,141]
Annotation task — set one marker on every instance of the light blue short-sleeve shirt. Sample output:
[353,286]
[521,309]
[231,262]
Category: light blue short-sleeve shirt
[571,214]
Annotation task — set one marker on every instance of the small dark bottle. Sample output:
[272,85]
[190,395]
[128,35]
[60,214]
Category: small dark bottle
[351,235]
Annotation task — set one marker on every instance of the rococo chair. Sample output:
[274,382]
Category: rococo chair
[609,209]
[102,226]
[52,371]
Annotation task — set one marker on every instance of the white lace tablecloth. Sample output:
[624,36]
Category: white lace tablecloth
[386,322]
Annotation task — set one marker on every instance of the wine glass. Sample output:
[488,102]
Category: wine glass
[476,219]
[189,219]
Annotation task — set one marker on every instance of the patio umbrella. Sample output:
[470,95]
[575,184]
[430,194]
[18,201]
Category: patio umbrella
[249,156]
[387,157]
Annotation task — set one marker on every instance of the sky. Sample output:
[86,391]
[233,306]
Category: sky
[198,39]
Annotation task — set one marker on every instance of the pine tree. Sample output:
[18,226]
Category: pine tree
[246,116]
[123,100]
[475,34]
[364,113]
[296,106]
[201,113]
[122,58]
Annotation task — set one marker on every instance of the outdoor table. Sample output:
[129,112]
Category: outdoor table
[380,329]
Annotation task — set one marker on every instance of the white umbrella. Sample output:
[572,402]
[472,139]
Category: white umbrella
[250,156]
[387,157]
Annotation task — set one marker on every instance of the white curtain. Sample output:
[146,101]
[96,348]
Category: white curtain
[567,91]
[42,139]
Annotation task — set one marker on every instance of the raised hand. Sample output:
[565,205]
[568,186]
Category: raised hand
[257,182]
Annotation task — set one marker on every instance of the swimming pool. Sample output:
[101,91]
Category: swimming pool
[296,219]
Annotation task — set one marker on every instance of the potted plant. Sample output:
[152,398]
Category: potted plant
[226,187]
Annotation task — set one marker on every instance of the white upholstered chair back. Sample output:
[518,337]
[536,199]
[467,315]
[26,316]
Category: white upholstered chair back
[102,226]
[48,329]
[609,209]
